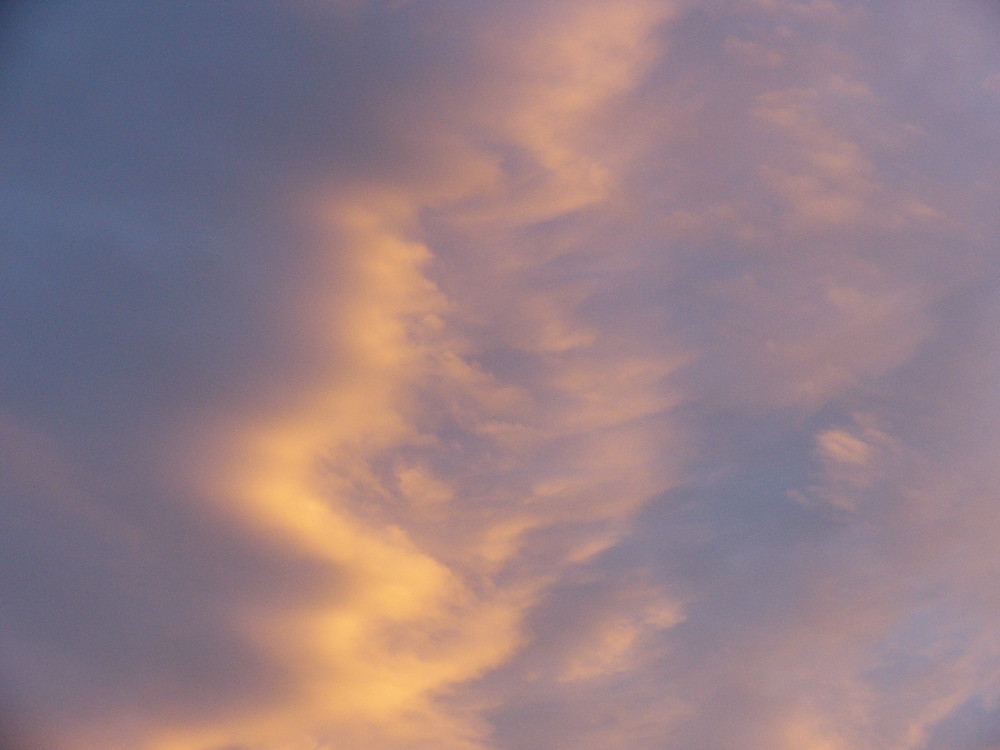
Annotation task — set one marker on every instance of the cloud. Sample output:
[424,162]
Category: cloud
[532,375]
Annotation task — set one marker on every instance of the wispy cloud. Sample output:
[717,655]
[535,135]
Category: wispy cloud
[499,376]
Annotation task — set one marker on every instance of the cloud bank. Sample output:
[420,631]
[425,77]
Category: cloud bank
[499,376]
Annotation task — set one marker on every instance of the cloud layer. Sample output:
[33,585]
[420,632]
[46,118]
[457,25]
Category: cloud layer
[499,376]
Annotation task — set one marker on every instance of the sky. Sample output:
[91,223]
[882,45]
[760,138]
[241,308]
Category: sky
[519,375]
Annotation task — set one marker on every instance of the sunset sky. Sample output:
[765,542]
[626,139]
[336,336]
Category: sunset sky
[500,375]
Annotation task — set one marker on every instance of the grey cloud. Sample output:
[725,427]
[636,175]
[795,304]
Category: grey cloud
[148,257]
